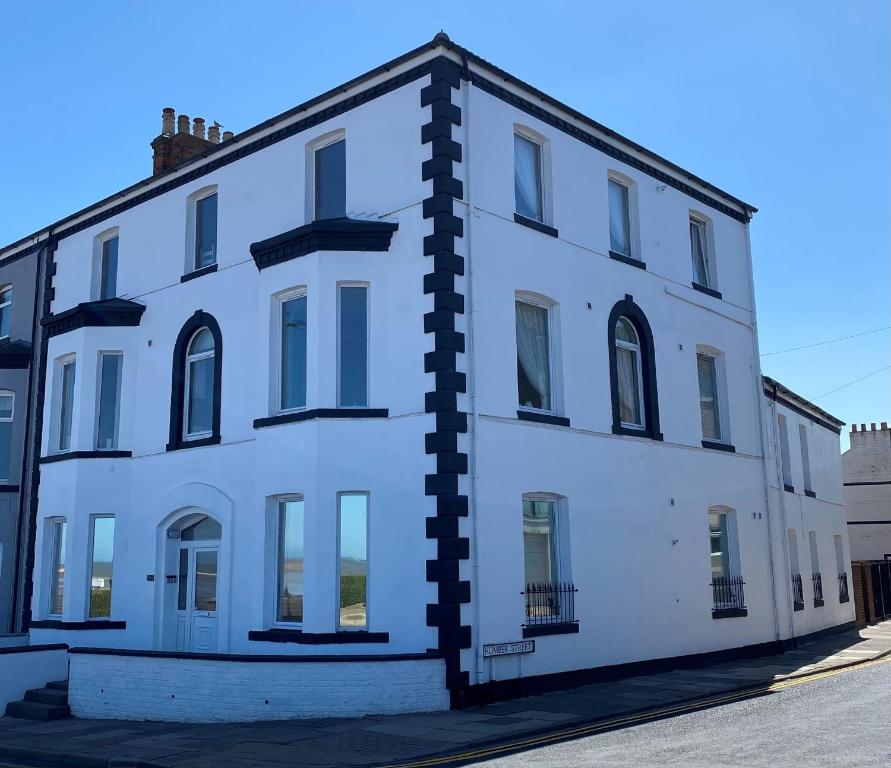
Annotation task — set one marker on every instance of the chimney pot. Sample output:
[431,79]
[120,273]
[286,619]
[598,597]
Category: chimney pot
[884,425]
[167,119]
[198,127]
[182,124]
[853,428]
[872,427]
[863,427]
[227,135]
[213,133]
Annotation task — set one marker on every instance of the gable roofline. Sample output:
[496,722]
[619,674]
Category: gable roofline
[441,42]
[779,392]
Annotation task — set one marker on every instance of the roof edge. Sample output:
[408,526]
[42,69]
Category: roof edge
[802,402]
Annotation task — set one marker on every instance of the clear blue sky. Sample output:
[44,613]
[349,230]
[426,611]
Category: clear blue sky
[785,105]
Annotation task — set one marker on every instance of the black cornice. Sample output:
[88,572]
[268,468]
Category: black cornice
[15,354]
[324,235]
[88,314]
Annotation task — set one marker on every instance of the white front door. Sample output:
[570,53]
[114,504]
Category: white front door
[196,614]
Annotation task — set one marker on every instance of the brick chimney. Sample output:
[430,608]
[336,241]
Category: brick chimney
[171,148]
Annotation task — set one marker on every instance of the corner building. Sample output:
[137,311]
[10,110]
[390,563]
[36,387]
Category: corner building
[429,364]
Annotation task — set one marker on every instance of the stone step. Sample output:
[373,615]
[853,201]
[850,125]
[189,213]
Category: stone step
[58,685]
[47,696]
[34,710]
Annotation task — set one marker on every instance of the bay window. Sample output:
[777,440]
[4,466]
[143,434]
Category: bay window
[101,562]
[352,557]
[352,378]
[289,602]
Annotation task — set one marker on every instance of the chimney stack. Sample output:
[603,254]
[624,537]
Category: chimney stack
[171,149]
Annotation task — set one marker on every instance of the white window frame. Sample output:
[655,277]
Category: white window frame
[721,396]
[337,624]
[90,546]
[191,261]
[187,382]
[785,455]
[637,349]
[278,532]
[59,403]
[804,447]
[275,394]
[11,421]
[561,534]
[707,233]
[544,159]
[6,307]
[633,228]
[320,142]
[117,412]
[98,245]
[538,300]
[50,548]
[367,286]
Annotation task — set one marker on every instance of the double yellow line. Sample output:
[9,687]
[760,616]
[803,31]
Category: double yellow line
[636,719]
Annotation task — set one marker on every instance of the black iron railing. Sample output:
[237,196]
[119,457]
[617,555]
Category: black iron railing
[550,603]
[843,594]
[727,592]
[818,588]
[797,592]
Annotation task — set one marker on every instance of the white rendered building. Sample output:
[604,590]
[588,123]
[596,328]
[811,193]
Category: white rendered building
[426,387]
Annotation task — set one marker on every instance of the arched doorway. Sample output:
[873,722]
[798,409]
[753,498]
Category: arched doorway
[191,604]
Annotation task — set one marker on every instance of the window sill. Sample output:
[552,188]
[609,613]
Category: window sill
[718,446]
[204,441]
[56,457]
[78,625]
[818,603]
[729,613]
[317,638]
[844,599]
[618,429]
[628,260]
[536,225]
[9,488]
[707,291]
[322,413]
[789,488]
[543,418]
[810,494]
[796,606]
[198,273]
[542,630]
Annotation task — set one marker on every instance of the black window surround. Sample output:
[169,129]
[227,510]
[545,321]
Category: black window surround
[209,269]
[542,630]
[627,308]
[91,314]
[717,445]
[706,290]
[283,635]
[628,260]
[321,413]
[200,319]
[542,418]
[536,225]
[324,235]
[68,455]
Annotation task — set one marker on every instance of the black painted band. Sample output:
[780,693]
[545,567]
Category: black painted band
[259,658]
[78,625]
[34,648]
[298,636]
[68,455]
[9,488]
[322,413]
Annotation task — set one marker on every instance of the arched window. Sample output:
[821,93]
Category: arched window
[632,372]
[197,371]
[629,380]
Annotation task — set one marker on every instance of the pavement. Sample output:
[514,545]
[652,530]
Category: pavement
[843,721]
[394,740]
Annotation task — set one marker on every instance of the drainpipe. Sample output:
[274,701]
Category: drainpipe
[759,396]
[471,377]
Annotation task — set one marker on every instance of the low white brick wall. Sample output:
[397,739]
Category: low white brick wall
[23,668]
[151,687]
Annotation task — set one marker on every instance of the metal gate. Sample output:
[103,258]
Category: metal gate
[880,575]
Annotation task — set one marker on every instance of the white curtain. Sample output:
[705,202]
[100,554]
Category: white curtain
[527,177]
[697,242]
[619,227]
[532,349]
[629,397]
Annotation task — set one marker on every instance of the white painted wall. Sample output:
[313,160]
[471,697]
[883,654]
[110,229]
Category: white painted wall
[195,690]
[27,668]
